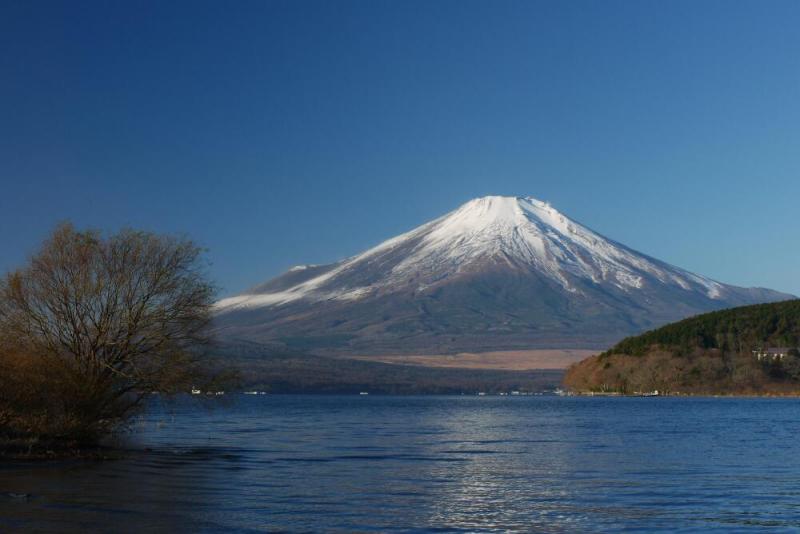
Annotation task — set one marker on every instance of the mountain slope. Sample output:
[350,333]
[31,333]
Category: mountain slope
[497,273]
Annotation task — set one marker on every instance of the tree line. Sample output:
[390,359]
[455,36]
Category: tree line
[739,330]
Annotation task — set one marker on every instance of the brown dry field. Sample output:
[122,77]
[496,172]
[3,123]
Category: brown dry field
[512,360]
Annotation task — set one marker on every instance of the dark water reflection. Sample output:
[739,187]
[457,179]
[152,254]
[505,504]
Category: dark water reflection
[428,463]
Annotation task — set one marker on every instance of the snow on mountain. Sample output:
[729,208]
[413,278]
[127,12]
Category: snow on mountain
[519,231]
[496,241]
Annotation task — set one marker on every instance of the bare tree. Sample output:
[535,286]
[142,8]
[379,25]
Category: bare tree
[110,319]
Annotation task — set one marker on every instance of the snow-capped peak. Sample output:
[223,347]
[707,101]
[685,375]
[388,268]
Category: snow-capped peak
[519,233]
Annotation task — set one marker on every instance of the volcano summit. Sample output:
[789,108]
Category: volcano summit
[498,273]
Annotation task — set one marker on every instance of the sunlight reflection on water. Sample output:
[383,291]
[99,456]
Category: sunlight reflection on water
[452,463]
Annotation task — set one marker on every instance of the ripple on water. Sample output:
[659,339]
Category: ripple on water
[431,464]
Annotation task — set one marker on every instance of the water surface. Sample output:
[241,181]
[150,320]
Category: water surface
[370,463]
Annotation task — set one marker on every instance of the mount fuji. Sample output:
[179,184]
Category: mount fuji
[498,273]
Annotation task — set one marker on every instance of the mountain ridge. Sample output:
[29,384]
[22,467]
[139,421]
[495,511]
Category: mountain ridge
[496,273]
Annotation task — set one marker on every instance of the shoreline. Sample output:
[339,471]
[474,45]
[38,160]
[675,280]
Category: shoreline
[792,395]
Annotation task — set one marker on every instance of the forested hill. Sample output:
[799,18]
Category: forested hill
[733,330]
[706,354]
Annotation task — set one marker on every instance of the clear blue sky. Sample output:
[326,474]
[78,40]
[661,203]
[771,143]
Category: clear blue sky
[278,133]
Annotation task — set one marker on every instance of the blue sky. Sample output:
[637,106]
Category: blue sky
[278,133]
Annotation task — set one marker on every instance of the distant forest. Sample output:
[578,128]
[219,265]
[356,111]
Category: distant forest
[707,354]
[283,371]
[740,329]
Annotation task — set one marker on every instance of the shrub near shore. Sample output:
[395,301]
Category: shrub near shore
[90,327]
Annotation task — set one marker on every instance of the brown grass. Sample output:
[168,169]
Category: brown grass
[512,360]
[709,372]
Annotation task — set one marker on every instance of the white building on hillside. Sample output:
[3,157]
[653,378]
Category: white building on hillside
[772,353]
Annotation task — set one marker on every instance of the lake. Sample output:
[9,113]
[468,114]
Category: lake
[372,463]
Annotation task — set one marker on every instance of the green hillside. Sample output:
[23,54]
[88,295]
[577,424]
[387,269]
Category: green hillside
[707,354]
[733,330]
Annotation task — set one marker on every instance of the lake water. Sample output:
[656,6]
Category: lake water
[370,463]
